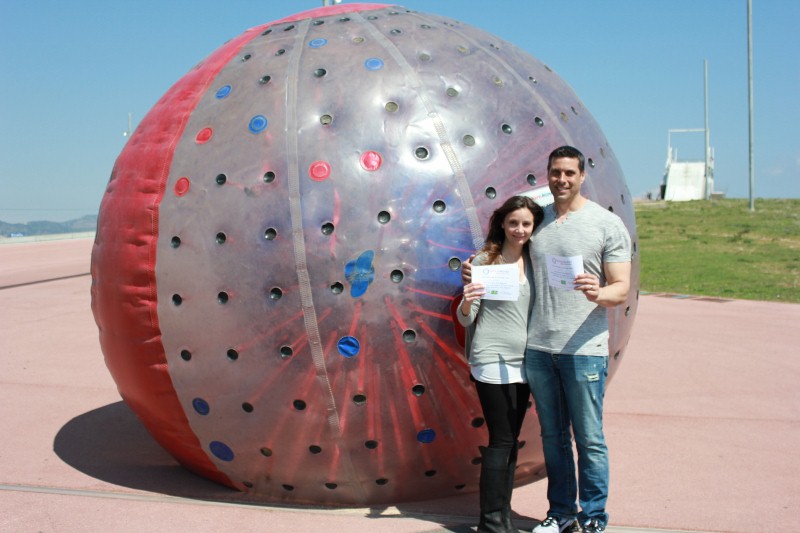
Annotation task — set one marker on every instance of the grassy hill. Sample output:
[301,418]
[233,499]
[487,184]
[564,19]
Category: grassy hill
[45,227]
[721,248]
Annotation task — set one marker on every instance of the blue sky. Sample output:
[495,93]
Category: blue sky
[72,71]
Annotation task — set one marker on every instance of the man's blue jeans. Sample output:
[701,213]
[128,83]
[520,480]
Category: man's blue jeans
[568,391]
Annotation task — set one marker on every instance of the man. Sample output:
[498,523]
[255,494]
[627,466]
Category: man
[567,350]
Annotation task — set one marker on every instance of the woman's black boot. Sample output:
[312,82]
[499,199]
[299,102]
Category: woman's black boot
[510,472]
[494,490]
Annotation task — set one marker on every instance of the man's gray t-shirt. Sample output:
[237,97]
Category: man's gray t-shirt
[564,321]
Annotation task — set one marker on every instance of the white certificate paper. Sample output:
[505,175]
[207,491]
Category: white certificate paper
[561,271]
[501,281]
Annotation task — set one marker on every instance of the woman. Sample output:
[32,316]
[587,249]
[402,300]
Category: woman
[496,339]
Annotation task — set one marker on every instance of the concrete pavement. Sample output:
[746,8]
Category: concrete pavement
[702,422]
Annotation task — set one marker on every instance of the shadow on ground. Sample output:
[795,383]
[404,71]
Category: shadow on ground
[110,444]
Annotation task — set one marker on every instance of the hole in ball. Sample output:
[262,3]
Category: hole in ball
[359,399]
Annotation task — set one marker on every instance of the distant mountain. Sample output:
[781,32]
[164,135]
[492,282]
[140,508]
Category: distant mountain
[44,227]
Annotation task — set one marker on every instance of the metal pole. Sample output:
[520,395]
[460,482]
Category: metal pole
[127,133]
[750,99]
[705,105]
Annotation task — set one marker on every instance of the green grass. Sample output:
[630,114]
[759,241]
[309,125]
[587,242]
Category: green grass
[720,248]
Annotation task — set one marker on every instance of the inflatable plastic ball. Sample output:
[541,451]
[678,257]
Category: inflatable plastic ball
[279,249]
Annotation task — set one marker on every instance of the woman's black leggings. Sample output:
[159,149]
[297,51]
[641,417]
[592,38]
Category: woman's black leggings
[504,407]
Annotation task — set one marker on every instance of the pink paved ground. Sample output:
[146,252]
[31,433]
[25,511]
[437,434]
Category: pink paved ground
[702,420]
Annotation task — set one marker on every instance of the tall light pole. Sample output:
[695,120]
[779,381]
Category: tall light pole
[709,177]
[127,133]
[750,98]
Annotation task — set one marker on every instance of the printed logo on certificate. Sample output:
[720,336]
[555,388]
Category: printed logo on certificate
[501,281]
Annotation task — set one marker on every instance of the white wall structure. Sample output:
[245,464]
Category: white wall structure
[687,180]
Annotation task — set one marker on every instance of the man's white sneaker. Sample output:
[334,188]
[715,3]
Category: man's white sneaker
[553,524]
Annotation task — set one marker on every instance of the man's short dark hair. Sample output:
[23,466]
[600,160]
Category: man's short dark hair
[569,152]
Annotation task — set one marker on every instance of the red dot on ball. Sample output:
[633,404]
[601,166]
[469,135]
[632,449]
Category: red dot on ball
[204,135]
[319,170]
[182,186]
[371,160]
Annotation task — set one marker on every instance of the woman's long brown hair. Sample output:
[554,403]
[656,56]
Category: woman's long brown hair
[493,246]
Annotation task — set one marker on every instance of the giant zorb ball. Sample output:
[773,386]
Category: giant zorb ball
[279,249]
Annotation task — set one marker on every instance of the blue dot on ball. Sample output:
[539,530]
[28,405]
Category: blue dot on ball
[221,451]
[349,346]
[258,124]
[201,406]
[426,436]
[223,91]
[373,63]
